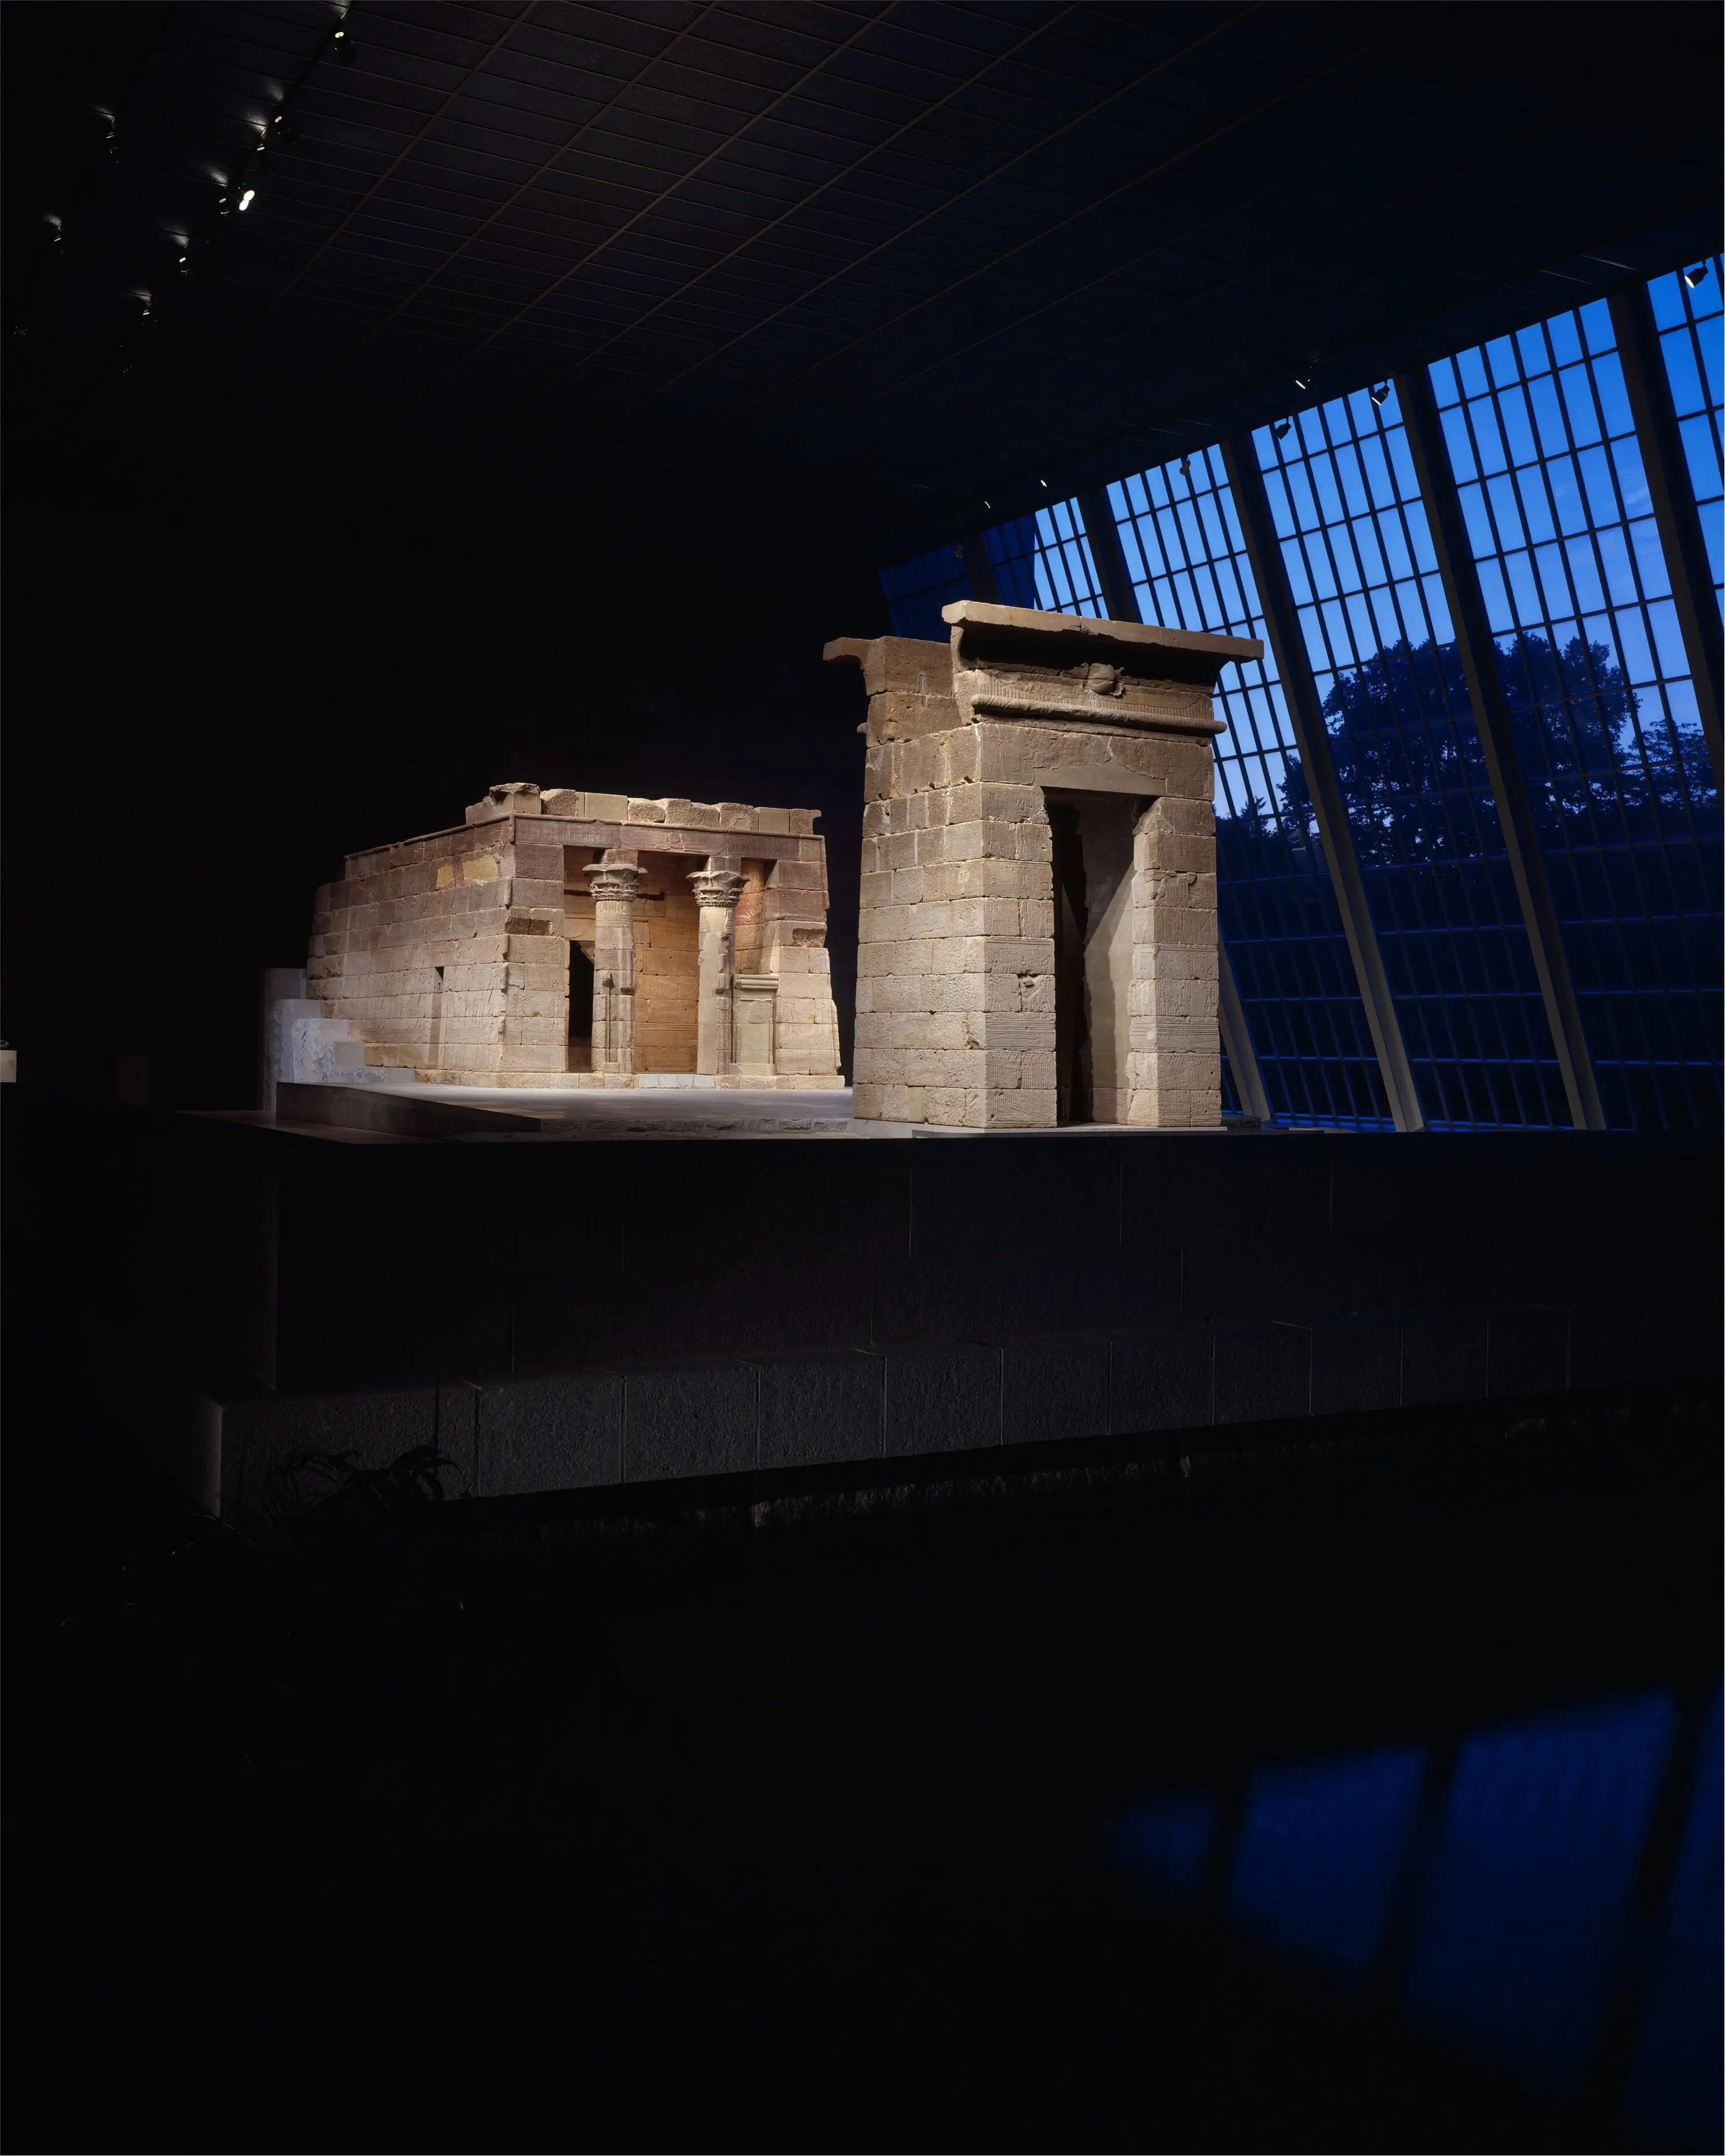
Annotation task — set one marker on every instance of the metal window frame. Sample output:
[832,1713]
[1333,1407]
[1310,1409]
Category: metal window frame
[1311,739]
[1237,1037]
[1491,711]
[1675,514]
[1109,556]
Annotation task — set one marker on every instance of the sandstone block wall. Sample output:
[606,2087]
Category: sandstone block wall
[958,1013]
[449,954]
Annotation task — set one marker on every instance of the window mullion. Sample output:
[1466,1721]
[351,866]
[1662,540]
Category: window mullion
[1491,722]
[1674,510]
[1281,620]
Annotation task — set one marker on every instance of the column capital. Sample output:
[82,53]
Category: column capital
[717,886]
[613,879]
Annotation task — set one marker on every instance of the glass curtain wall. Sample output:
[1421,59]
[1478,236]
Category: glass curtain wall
[1586,642]
[1044,560]
[1186,559]
[1577,594]
[1041,561]
[1360,564]
[916,590]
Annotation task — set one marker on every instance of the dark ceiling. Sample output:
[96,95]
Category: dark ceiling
[779,289]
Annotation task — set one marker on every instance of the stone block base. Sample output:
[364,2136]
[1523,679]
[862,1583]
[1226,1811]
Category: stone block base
[253,1455]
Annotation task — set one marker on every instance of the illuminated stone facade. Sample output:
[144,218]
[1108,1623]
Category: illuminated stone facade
[568,939]
[1038,929]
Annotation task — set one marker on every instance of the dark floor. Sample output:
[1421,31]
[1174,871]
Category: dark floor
[1371,1806]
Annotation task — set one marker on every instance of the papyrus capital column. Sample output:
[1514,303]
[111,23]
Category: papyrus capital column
[717,889]
[614,884]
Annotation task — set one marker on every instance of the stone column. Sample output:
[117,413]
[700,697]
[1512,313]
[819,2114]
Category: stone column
[717,888]
[614,884]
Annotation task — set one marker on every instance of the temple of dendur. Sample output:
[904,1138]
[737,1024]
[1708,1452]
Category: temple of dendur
[1037,932]
[1037,937]
[564,939]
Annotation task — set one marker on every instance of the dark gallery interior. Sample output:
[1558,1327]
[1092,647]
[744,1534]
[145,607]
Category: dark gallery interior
[875,1300]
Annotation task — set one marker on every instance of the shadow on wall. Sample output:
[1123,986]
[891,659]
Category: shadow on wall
[234,721]
[1547,1893]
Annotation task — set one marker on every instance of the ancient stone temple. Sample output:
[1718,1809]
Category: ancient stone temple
[1037,932]
[569,939]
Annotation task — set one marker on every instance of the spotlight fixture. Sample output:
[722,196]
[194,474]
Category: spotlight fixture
[225,202]
[248,198]
[281,130]
[1696,276]
[182,263]
[1303,381]
[342,42]
[1280,429]
[1381,393]
[1043,484]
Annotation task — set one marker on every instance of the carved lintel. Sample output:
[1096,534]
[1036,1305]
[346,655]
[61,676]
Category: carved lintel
[1158,706]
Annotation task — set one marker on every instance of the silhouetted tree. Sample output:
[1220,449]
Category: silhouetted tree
[1397,756]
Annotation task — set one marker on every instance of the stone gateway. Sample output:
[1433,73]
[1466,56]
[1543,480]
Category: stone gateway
[1038,931]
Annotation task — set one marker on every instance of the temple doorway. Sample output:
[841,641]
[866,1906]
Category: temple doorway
[581,979]
[667,964]
[1092,876]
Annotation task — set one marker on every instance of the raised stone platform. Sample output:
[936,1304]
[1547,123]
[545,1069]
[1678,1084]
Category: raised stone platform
[556,1317]
[669,1105]
[612,1082]
[981,1407]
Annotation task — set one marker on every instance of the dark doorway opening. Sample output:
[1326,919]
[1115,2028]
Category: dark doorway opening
[1071,927]
[580,1009]
[437,1017]
[1093,843]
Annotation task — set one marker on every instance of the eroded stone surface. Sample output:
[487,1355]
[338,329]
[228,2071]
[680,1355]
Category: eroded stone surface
[1037,940]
